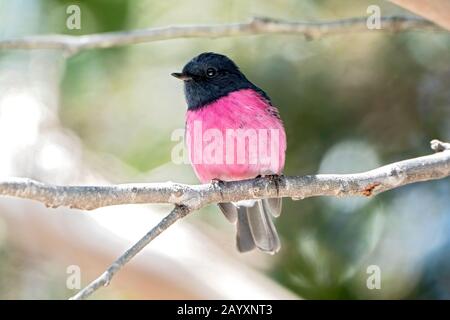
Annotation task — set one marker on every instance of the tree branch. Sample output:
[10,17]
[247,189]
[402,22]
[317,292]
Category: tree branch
[435,166]
[188,198]
[311,30]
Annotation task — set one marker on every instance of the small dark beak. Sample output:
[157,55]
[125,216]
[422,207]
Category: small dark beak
[182,76]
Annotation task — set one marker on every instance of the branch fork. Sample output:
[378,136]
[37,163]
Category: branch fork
[189,198]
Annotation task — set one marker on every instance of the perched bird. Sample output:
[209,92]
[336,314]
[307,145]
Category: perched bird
[242,137]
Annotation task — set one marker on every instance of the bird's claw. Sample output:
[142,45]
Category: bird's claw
[275,180]
[274,177]
[217,183]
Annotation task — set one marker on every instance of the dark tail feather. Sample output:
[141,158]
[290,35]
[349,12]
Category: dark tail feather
[273,205]
[255,229]
[244,238]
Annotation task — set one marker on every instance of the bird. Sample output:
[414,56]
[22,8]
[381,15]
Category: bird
[223,106]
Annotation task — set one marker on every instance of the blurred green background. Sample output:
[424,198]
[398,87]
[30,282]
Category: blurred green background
[349,103]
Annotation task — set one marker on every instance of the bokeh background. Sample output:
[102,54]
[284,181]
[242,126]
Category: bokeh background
[349,103]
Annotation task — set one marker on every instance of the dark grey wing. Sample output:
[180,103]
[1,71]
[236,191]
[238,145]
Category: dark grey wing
[229,210]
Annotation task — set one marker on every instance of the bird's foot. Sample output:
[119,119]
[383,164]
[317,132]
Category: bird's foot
[217,183]
[275,179]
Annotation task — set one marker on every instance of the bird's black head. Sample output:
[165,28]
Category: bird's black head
[210,76]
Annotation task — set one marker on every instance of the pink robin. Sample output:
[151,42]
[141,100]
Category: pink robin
[234,132]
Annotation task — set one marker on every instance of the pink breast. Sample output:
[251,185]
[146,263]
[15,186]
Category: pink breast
[236,137]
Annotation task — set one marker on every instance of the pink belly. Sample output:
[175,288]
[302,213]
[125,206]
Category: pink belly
[235,138]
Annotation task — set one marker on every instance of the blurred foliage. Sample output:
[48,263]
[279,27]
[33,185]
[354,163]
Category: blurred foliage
[23,277]
[389,92]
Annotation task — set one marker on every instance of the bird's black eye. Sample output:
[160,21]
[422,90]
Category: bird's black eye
[211,72]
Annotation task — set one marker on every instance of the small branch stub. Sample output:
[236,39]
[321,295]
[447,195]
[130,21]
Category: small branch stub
[439,146]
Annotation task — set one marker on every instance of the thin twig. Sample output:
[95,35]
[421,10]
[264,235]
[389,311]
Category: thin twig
[177,213]
[311,30]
